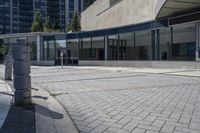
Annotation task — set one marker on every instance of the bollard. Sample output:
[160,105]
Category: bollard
[8,65]
[22,79]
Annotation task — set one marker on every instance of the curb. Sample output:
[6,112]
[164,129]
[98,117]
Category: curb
[50,115]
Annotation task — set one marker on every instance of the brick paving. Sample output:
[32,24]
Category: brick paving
[120,101]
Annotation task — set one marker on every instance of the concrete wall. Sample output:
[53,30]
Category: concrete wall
[89,16]
[153,64]
[100,15]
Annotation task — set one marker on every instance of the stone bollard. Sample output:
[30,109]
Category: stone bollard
[22,79]
[8,65]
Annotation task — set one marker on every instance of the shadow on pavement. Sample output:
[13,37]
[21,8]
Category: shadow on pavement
[12,95]
[40,97]
[5,93]
[49,113]
[19,120]
[22,119]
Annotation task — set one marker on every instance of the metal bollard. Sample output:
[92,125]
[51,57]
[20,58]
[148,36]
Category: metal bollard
[22,79]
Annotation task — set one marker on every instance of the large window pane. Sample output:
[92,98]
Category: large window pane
[113,47]
[165,44]
[49,50]
[126,46]
[45,50]
[32,42]
[98,48]
[184,45]
[72,51]
[143,45]
[61,47]
[86,49]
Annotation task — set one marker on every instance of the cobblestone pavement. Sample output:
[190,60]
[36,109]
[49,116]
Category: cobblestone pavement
[120,101]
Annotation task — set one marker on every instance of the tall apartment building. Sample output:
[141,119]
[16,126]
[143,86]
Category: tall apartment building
[16,16]
[87,3]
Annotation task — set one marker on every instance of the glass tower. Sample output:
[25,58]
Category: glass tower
[5,25]
[16,16]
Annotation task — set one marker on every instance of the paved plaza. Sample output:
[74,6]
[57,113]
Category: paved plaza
[125,100]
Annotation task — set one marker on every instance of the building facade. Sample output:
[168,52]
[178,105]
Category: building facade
[16,16]
[87,3]
[162,33]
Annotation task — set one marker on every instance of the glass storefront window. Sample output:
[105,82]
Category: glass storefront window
[32,42]
[143,47]
[61,46]
[98,44]
[184,42]
[86,48]
[113,47]
[73,51]
[165,44]
[126,46]
[45,50]
[49,50]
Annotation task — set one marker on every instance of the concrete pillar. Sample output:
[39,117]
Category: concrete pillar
[8,64]
[22,79]
[197,42]
[38,49]
[106,48]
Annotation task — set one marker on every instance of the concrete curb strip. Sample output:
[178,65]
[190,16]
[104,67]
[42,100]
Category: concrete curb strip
[50,116]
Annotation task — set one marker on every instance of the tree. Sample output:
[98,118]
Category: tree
[48,27]
[37,25]
[75,24]
[56,27]
[69,27]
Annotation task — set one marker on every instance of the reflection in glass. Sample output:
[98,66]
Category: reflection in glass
[126,46]
[98,48]
[72,51]
[32,42]
[165,44]
[184,45]
[113,47]
[86,48]
[143,47]
[49,50]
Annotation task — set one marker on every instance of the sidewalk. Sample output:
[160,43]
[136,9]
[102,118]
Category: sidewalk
[5,101]
[46,115]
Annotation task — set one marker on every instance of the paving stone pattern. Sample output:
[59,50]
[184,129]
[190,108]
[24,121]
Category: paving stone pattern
[104,101]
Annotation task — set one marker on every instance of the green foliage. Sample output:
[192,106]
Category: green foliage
[69,27]
[56,27]
[48,27]
[3,50]
[37,25]
[75,25]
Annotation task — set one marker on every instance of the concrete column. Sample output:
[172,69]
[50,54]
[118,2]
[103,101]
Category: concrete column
[197,42]
[106,48]
[38,49]
[8,64]
[22,79]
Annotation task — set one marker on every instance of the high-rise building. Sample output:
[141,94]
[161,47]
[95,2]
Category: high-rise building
[87,3]
[16,16]
[5,16]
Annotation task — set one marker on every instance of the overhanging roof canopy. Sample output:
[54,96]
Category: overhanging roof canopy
[172,7]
